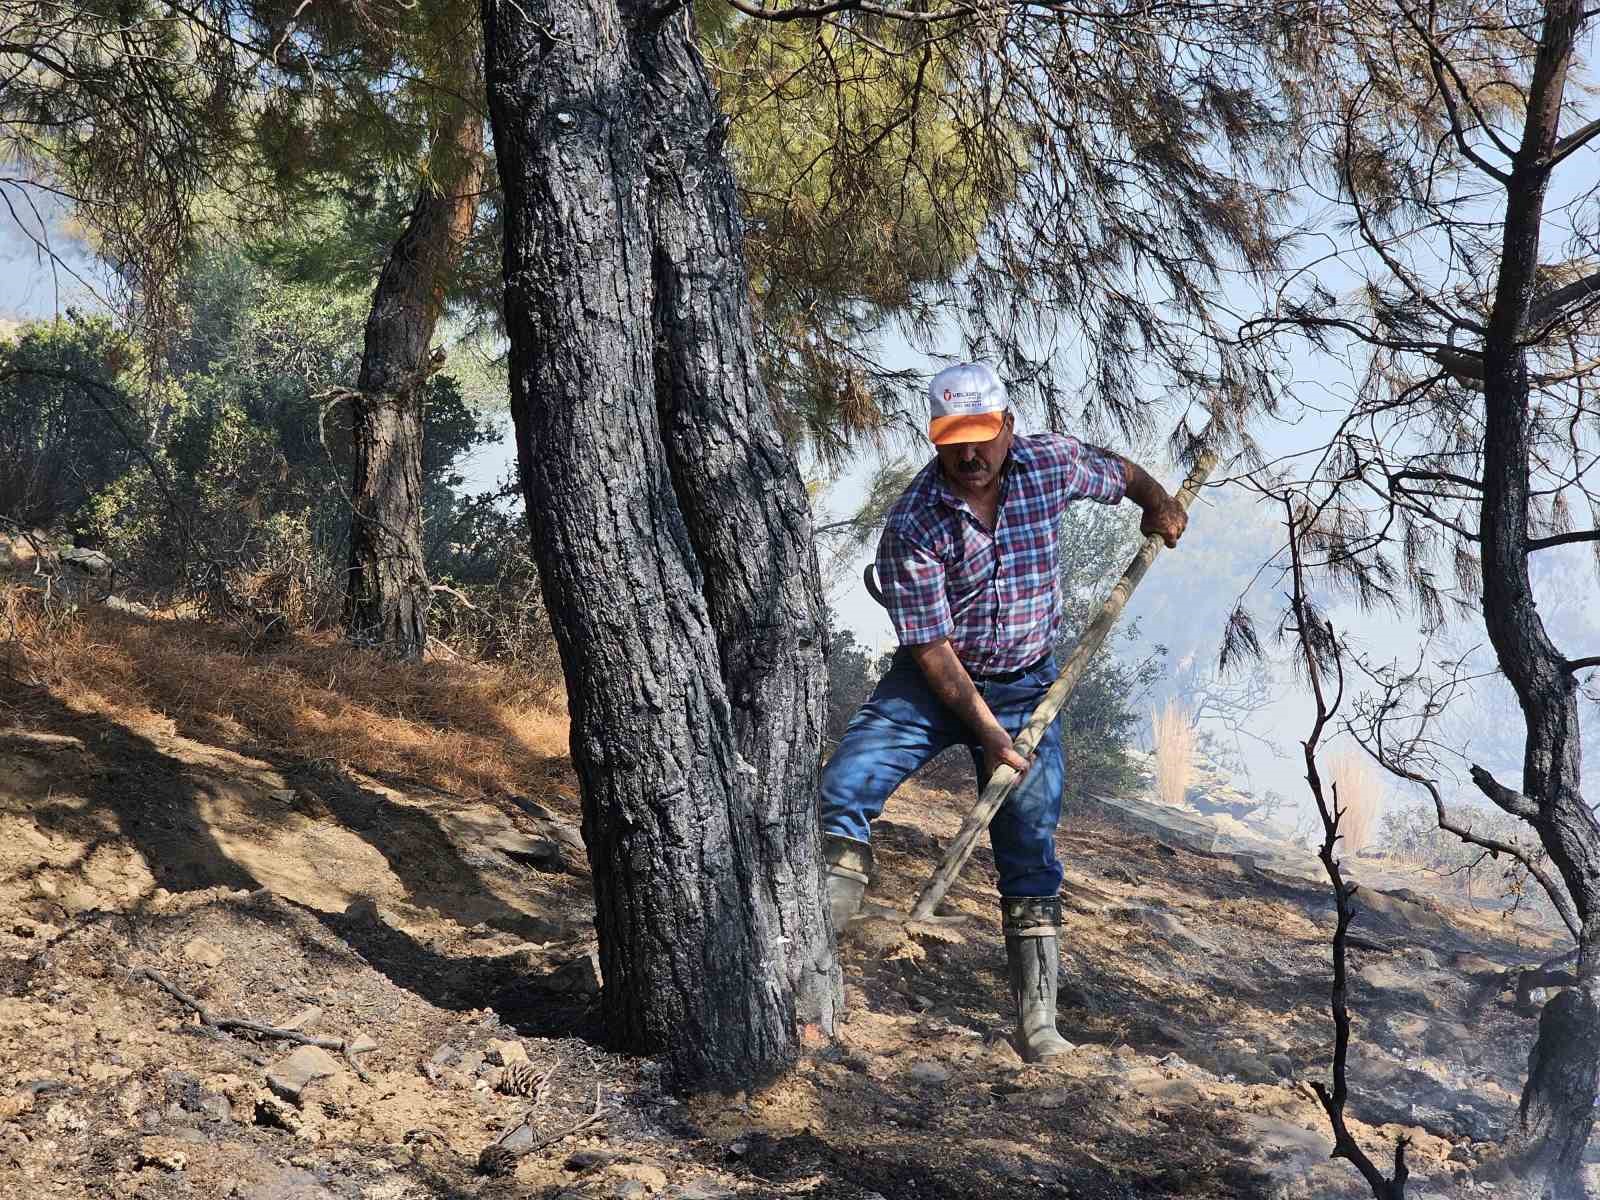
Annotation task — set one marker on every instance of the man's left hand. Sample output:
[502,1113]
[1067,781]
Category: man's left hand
[1166,520]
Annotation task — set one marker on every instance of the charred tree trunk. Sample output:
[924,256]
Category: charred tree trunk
[1557,1112]
[638,422]
[742,496]
[387,593]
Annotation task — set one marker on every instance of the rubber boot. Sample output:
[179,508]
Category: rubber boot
[848,864]
[1031,926]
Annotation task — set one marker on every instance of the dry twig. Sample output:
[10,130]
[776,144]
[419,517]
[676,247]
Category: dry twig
[245,1025]
[500,1156]
[1321,653]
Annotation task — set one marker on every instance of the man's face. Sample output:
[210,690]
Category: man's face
[976,465]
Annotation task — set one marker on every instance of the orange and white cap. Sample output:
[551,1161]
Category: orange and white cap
[966,403]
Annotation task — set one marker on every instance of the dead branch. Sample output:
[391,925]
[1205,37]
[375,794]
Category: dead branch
[500,1156]
[1321,653]
[455,595]
[245,1025]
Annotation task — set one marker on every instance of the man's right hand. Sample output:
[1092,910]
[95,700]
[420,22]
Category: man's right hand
[997,749]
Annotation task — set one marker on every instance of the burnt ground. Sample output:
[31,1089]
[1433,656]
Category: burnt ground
[433,924]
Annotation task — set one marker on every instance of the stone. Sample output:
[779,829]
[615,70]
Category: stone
[76,898]
[289,1077]
[704,1188]
[204,953]
[65,1117]
[651,1178]
[927,1072]
[1041,1098]
[587,1160]
[504,1053]
[215,1108]
[153,1154]
[579,977]
[362,1044]
[92,562]
[304,1020]
[1282,1064]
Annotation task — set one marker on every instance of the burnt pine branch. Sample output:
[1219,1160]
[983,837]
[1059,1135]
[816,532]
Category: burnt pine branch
[1313,635]
[1564,539]
[1511,801]
[1551,886]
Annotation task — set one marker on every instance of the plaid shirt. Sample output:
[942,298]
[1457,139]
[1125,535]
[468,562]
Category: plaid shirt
[996,596]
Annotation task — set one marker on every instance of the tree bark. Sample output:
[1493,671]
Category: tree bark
[742,496]
[688,891]
[387,593]
[1557,1111]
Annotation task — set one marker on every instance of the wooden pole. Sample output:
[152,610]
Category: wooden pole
[1005,777]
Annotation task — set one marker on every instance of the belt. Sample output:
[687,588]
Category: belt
[1010,676]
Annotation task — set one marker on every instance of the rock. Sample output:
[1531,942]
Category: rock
[215,1108]
[504,1053]
[652,1179]
[153,1154]
[703,1189]
[206,954]
[1041,1098]
[119,604]
[587,1160]
[15,1105]
[92,562]
[65,1117]
[362,1044]
[579,977]
[1475,965]
[304,1020]
[290,1076]
[76,898]
[1282,1065]
[541,854]
[927,1072]
[630,1189]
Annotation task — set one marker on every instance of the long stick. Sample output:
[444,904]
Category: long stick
[1005,777]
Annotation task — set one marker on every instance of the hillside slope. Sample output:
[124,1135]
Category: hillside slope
[317,840]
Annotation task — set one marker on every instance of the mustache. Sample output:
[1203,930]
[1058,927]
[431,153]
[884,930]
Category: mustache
[972,466]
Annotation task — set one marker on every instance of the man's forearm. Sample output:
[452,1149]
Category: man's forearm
[948,680]
[1142,487]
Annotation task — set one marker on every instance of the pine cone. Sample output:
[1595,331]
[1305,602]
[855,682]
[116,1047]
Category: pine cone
[519,1079]
[496,1160]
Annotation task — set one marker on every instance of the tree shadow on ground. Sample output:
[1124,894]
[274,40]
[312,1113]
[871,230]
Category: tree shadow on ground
[503,982]
[121,788]
[1048,1158]
[152,800]
[435,871]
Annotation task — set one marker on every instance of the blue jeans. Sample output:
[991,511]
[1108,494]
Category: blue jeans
[904,725]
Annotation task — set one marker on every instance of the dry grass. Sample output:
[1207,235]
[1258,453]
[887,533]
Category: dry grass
[455,726]
[1360,795]
[1173,736]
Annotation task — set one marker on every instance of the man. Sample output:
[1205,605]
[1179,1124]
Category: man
[969,573]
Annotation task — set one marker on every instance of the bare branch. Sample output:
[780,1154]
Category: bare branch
[1512,802]
[242,1025]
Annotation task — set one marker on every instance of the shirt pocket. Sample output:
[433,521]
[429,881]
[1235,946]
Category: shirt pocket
[969,578]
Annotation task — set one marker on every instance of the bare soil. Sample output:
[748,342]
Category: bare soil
[354,902]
